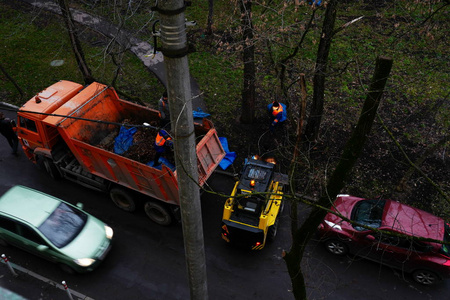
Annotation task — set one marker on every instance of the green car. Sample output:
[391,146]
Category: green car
[53,229]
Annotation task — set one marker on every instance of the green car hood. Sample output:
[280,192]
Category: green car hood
[91,242]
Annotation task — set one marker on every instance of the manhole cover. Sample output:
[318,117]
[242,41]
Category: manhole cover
[57,63]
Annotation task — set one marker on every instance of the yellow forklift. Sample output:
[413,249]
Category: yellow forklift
[252,213]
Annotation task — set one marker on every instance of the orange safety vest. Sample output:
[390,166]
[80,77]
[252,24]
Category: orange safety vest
[276,111]
[160,140]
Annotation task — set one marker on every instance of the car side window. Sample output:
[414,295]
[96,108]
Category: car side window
[403,242]
[31,235]
[8,224]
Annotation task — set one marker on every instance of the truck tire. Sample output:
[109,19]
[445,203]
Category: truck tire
[122,199]
[158,213]
[51,169]
[49,166]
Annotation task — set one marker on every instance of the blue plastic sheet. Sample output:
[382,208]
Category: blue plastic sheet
[317,2]
[229,156]
[163,161]
[124,140]
[199,113]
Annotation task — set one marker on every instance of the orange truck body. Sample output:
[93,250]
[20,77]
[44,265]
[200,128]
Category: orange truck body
[76,118]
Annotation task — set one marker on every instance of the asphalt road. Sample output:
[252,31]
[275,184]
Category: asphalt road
[147,260]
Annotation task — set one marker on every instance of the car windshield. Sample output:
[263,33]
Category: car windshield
[445,249]
[63,225]
[368,212]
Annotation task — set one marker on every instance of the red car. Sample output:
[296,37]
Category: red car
[428,262]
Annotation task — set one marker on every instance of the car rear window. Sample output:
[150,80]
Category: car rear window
[63,225]
[445,249]
[368,212]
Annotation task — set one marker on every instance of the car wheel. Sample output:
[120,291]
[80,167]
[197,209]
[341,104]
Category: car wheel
[336,247]
[122,199]
[158,213]
[425,277]
[67,269]
[3,243]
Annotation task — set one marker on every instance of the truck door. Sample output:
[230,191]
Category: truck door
[27,131]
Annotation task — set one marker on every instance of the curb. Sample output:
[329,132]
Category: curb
[46,280]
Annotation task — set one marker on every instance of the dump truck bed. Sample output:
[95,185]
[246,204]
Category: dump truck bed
[95,112]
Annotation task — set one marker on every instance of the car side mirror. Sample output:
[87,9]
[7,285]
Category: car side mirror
[80,205]
[42,248]
[370,237]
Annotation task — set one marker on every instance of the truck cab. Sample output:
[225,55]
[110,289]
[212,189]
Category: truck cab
[251,215]
[35,135]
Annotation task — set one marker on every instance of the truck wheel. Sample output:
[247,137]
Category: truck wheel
[272,231]
[158,213]
[48,166]
[51,169]
[122,199]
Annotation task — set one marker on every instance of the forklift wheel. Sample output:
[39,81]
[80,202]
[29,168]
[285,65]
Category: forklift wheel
[272,231]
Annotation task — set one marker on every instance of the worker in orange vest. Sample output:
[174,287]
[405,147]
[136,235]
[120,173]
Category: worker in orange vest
[163,141]
[277,113]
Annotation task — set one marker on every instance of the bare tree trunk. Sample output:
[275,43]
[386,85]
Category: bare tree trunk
[75,42]
[248,93]
[301,117]
[315,116]
[352,150]
[210,17]
[12,81]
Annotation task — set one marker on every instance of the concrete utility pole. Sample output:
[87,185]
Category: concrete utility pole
[174,48]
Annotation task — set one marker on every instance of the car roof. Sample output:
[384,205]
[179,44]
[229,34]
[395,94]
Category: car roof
[413,221]
[27,204]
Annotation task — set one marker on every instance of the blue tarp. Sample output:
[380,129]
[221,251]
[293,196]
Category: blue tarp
[124,140]
[317,2]
[199,113]
[163,161]
[229,156]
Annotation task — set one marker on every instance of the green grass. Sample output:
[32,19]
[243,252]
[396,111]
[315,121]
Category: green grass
[30,44]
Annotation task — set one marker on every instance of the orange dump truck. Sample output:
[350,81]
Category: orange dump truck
[65,129]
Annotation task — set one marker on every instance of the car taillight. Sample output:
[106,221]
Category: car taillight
[447,263]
